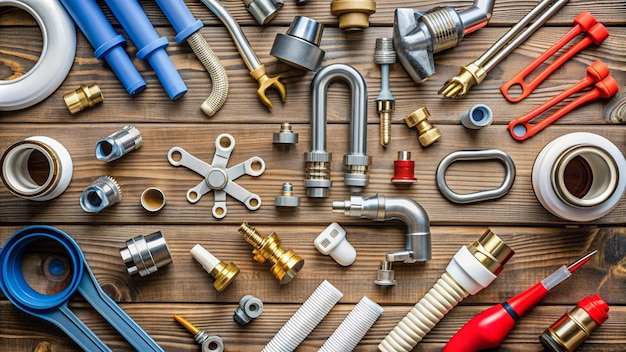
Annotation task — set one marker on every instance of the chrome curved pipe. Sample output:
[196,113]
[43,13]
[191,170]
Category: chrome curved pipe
[318,160]
[381,208]
[477,16]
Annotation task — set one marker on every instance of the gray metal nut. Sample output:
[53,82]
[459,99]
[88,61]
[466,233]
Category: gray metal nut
[287,199]
[249,308]
[300,46]
[285,135]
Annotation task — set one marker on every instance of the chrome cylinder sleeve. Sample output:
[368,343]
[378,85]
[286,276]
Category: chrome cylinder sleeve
[300,46]
[118,144]
[357,162]
[37,168]
[102,193]
[577,176]
[263,11]
[144,255]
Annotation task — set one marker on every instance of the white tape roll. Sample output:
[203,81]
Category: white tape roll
[37,168]
[57,55]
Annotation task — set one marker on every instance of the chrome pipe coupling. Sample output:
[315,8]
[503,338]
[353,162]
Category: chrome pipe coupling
[118,144]
[144,255]
[300,46]
[102,193]
[263,11]
[357,162]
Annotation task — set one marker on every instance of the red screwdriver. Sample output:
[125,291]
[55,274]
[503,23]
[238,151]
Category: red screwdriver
[489,328]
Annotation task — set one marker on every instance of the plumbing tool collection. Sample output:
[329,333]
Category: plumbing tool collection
[575,177]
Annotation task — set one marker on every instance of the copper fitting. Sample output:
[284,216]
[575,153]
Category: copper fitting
[353,14]
[83,97]
[286,263]
[428,134]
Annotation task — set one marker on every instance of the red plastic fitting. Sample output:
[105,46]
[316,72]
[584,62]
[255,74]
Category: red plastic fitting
[403,169]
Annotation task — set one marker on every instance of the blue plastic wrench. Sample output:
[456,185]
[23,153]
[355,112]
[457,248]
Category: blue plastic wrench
[54,307]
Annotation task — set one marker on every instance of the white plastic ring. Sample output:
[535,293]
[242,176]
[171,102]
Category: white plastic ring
[42,156]
[579,176]
[57,55]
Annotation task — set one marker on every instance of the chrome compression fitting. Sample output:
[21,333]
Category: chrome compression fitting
[285,263]
[37,168]
[208,343]
[285,135]
[102,193]
[217,177]
[223,273]
[300,46]
[472,268]
[353,14]
[263,11]
[385,275]
[286,198]
[249,308]
[254,65]
[381,208]
[118,144]
[83,97]
[145,255]
[384,55]
[357,162]
[417,35]
[476,155]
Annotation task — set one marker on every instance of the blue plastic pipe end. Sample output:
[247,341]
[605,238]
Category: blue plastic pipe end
[180,17]
[170,79]
[106,42]
[189,30]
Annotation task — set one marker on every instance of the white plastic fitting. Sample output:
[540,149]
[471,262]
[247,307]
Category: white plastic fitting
[332,241]
[305,319]
[37,155]
[470,270]
[204,258]
[57,55]
[477,117]
[579,176]
[353,327]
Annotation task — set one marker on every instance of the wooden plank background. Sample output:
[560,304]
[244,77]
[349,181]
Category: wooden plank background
[542,242]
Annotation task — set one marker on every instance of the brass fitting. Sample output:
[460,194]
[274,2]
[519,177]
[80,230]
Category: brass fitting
[223,273]
[428,134]
[286,264]
[458,86]
[83,97]
[491,252]
[353,14]
[266,82]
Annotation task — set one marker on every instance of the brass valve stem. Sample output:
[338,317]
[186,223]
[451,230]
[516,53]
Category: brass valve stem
[384,55]
[286,263]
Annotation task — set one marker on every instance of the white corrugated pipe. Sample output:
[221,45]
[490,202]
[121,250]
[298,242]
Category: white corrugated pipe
[354,327]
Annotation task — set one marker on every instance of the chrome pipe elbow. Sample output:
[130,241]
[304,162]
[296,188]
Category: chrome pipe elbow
[357,162]
[418,35]
[381,208]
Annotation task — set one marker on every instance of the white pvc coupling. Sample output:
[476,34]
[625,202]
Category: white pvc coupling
[37,168]
[57,55]
[469,272]
[332,241]
[354,327]
[305,319]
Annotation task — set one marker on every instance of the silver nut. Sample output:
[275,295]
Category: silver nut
[285,135]
[249,308]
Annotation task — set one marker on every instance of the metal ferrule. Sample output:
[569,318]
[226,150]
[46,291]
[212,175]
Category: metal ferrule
[381,208]
[491,252]
[263,11]
[145,255]
[357,161]
[102,193]
[118,144]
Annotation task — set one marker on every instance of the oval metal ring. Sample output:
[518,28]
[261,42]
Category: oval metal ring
[57,55]
[473,155]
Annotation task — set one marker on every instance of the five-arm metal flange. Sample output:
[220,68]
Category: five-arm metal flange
[217,177]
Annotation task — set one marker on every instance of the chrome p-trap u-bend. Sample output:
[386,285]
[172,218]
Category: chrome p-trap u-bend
[357,162]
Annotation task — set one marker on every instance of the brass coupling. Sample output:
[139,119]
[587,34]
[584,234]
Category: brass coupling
[286,264]
[491,252]
[427,133]
[353,14]
[83,97]
[458,86]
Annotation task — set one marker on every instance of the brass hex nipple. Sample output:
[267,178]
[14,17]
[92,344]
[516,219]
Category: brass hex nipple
[286,264]
[428,134]
[83,97]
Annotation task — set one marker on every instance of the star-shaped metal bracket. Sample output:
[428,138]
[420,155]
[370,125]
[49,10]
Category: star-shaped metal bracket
[217,177]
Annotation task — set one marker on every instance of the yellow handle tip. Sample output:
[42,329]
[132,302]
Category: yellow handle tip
[187,325]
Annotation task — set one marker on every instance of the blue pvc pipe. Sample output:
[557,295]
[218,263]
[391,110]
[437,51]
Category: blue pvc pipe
[180,17]
[150,47]
[106,42]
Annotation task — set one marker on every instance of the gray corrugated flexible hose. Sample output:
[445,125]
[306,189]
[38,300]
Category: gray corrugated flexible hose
[216,71]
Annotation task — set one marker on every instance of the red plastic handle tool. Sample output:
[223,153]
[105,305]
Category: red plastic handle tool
[584,22]
[605,87]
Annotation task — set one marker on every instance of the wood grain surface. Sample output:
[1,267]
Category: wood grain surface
[542,242]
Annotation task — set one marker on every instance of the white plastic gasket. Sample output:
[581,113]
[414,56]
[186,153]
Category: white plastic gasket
[606,165]
[57,55]
[16,168]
